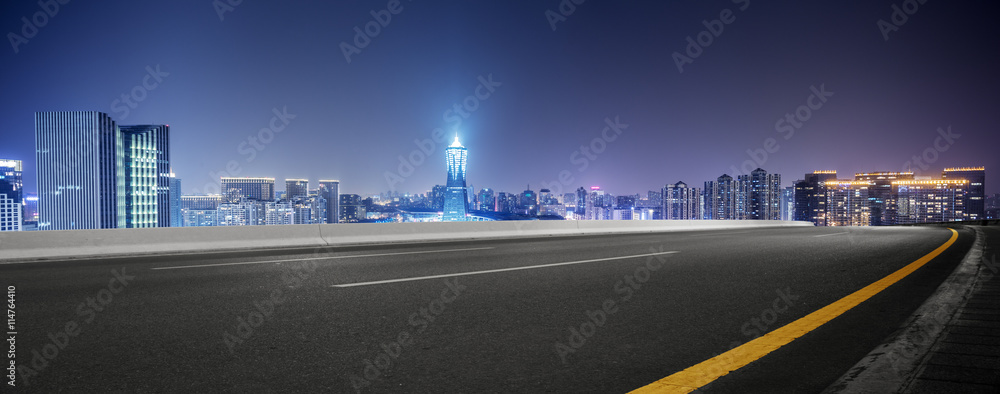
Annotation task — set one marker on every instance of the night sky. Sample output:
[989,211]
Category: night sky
[220,79]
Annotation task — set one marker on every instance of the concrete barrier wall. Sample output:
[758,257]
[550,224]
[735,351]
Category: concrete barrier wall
[36,245]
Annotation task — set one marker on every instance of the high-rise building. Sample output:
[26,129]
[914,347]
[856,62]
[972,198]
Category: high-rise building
[258,189]
[881,198]
[720,199]
[175,201]
[296,188]
[810,197]
[455,200]
[278,213]
[528,202]
[600,204]
[581,203]
[930,201]
[11,179]
[329,190]
[975,194]
[78,158]
[487,202]
[847,203]
[146,165]
[93,173]
[759,196]
[351,209]
[681,202]
[788,203]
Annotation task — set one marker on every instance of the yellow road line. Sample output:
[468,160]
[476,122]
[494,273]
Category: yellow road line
[709,370]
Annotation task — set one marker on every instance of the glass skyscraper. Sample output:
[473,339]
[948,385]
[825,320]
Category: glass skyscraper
[95,174]
[146,165]
[456,198]
[329,189]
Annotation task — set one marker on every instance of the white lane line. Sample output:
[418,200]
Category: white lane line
[705,235]
[827,235]
[382,282]
[321,258]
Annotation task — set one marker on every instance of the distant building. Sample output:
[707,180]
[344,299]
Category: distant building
[200,211]
[758,196]
[257,189]
[993,206]
[930,201]
[10,213]
[456,198]
[788,203]
[681,202]
[975,194]
[847,203]
[278,213]
[528,202]
[296,188]
[882,203]
[351,208]
[810,197]
[720,199]
[581,203]
[30,209]
[11,195]
[330,191]
[487,201]
[175,201]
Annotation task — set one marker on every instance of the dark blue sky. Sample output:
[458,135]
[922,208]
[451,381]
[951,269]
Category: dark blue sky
[605,60]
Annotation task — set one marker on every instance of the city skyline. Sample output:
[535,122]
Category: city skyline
[857,100]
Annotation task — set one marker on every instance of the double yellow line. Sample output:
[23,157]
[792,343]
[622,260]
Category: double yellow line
[709,370]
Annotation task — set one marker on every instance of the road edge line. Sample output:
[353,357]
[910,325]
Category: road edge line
[705,372]
[892,365]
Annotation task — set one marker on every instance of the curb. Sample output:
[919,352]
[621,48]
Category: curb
[891,366]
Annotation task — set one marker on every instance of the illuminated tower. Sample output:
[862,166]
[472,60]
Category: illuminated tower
[455,198]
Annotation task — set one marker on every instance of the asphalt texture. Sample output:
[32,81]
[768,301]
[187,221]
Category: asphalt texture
[212,322]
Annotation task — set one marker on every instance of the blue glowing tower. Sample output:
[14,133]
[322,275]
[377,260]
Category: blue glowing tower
[455,199]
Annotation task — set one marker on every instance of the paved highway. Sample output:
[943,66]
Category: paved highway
[561,314]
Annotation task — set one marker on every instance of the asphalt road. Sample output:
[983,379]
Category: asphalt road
[327,320]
